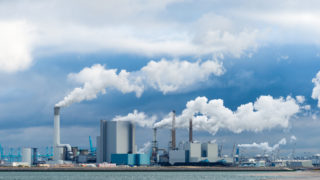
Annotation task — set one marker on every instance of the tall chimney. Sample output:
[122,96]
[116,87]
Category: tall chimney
[173,131]
[56,134]
[154,147]
[154,134]
[190,130]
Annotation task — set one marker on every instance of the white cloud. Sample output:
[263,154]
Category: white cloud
[170,76]
[139,118]
[265,145]
[300,99]
[265,113]
[123,27]
[16,41]
[165,76]
[151,28]
[316,90]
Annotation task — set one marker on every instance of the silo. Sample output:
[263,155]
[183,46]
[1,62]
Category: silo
[26,155]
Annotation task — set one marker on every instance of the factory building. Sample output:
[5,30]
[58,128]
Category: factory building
[190,152]
[193,153]
[116,137]
[131,159]
[209,152]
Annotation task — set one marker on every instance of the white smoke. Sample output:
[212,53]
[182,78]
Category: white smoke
[170,76]
[139,118]
[265,145]
[316,89]
[95,80]
[145,148]
[165,76]
[293,138]
[265,113]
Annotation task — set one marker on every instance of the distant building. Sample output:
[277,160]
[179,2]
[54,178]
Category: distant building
[193,153]
[131,159]
[116,137]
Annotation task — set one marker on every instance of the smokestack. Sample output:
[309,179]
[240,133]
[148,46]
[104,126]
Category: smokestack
[173,131]
[154,147]
[56,135]
[154,134]
[190,130]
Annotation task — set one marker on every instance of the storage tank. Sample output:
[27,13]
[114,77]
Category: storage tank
[27,155]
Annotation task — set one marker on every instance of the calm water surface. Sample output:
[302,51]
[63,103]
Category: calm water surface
[139,175]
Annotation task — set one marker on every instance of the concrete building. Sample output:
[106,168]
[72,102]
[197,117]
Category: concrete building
[209,151]
[193,151]
[116,137]
[131,159]
[177,156]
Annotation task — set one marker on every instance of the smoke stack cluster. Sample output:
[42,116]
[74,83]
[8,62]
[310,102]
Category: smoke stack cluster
[173,131]
[190,130]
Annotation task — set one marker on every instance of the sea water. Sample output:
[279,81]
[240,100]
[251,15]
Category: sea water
[139,175]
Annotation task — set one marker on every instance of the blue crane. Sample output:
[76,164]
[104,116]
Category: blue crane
[92,149]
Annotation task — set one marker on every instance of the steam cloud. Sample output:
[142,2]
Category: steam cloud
[139,118]
[265,145]
[170,76]
[165,76]
[293,138]
[316,89]
[265,113]
[145,148]
[95,80]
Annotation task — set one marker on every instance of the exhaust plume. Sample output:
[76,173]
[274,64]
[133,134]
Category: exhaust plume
[165,76]
[95,80]
[145,149]
[139,118]
[266,113]
[293,138]
[265,145]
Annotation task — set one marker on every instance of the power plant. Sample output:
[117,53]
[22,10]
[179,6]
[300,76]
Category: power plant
[116,146]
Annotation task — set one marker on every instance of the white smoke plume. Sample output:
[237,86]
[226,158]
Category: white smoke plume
[265,145]
[265,113]
[316,89]
[169,76]
[145,149]
[138,118]
[95,80]
[293,138]
[165,76]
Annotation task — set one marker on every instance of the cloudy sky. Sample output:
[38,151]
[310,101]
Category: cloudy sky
[244,71]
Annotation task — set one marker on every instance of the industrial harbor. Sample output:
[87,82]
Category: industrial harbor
[116,151]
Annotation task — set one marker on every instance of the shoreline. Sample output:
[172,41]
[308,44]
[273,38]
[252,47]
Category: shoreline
[145,169]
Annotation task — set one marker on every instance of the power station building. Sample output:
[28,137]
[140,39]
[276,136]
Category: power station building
[116,137]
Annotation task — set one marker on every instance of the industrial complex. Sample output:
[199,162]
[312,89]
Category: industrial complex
[116,147]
